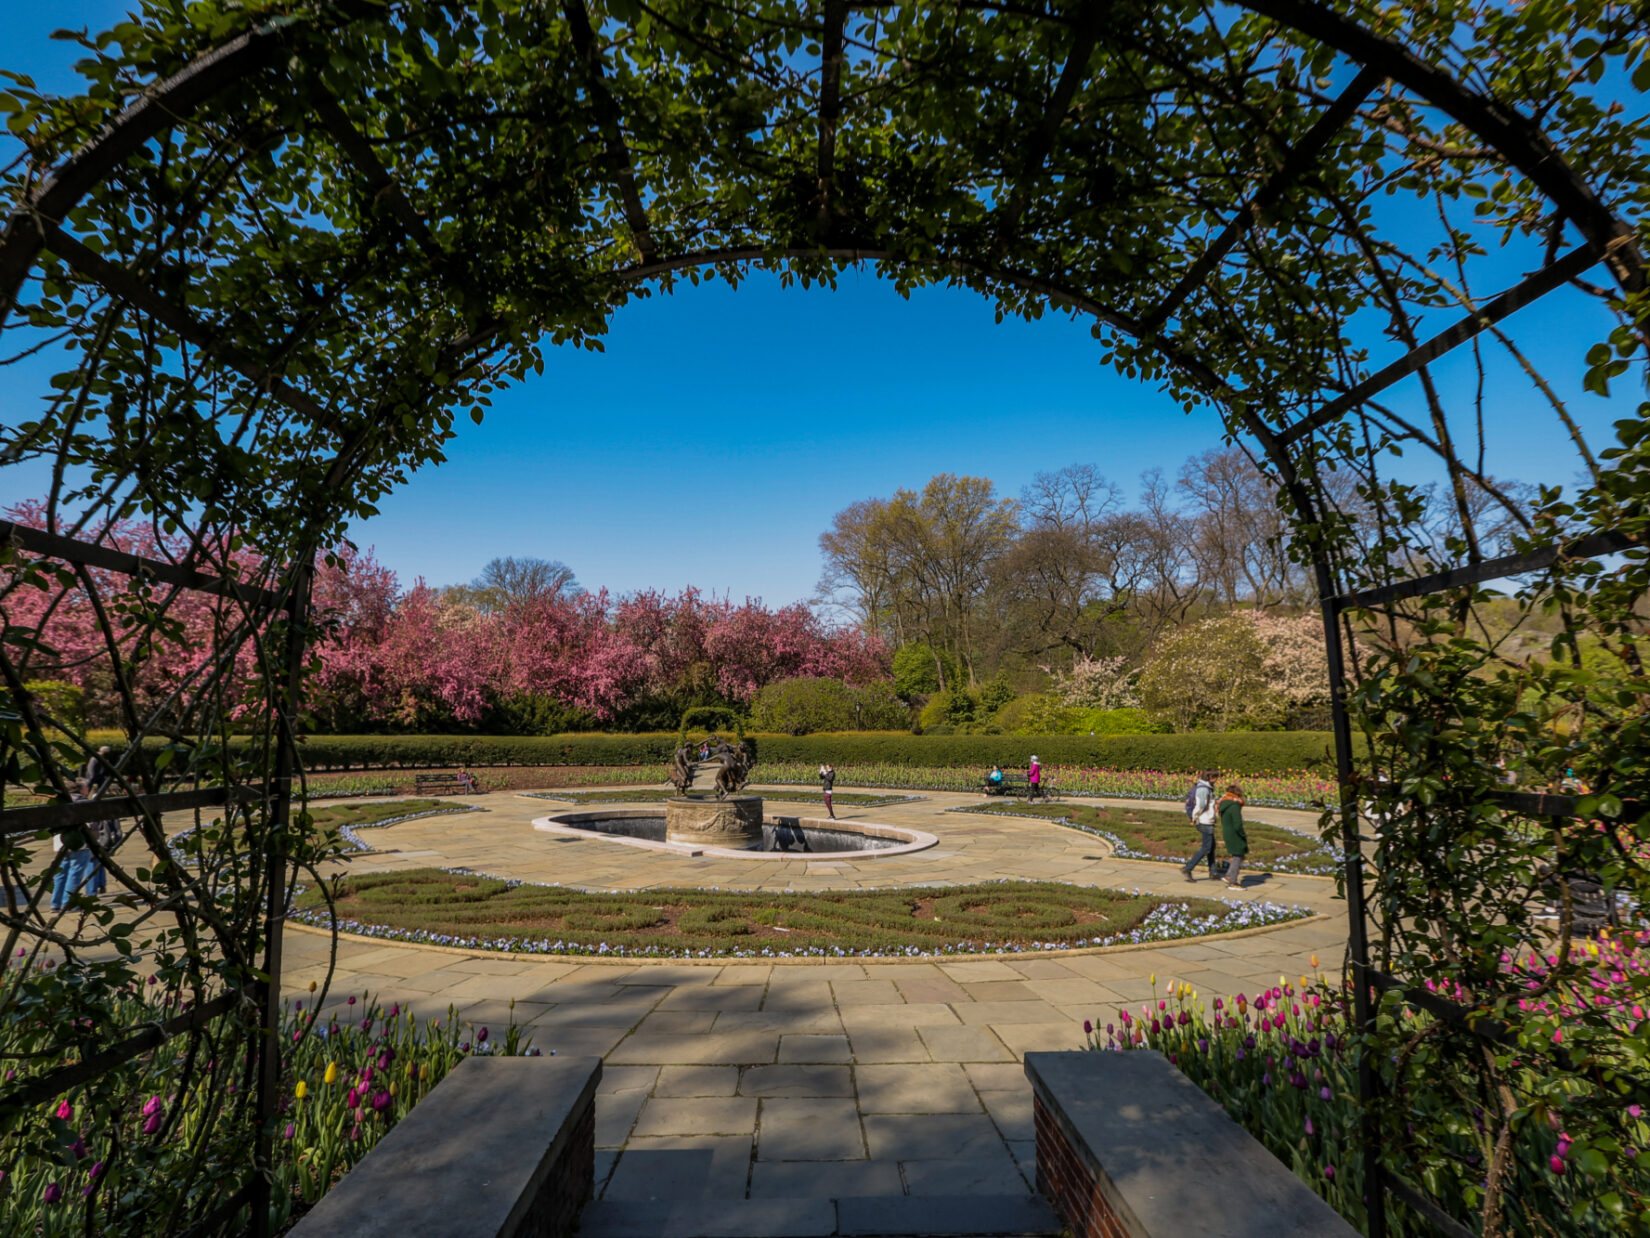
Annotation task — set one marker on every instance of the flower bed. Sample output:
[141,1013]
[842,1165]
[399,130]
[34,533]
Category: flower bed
[651,796]
[1283,1063]
[105,1158]
[1164,836]
[1300,789]
[470,911]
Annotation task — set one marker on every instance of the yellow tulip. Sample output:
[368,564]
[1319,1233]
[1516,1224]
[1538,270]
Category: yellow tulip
[1154,979]
[332,1073]
[392,1089]
[423,1073]
[302,1090]
[312,986]
[1314,962]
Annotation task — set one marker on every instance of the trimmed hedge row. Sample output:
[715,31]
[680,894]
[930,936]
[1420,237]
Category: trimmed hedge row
[1250,752]
[1253,752]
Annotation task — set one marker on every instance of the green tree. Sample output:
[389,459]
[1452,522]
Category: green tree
[1212,676]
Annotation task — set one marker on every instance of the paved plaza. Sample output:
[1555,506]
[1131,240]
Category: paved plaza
[809,1097]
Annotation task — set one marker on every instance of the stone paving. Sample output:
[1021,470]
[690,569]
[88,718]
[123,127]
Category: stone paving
[804,1082]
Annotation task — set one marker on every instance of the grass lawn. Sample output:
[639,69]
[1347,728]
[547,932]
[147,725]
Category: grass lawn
[336,815]
[1165,835]
[858,799]
[432,905]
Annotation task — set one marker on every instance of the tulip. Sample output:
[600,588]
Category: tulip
[65,1111]
[332,1073]
[395,1011]
[151,1106]
[1329,1172]
[77,1149]
[350,1001]
[1635,1111]
[1556,1164]
[380,1101]
[1314,961]
[302,1090]
[1324,1094]
[1088,1028]
[96,1171]
[291,1130]
[312,986]
[53,1193]
[352,1099]
[151,1124]
[1309,1129]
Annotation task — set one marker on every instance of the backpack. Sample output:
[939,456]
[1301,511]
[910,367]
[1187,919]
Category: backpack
[1191,801]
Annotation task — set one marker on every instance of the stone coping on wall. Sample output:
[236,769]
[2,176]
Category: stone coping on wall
[1128,1147]
[910,840]
[503,1147]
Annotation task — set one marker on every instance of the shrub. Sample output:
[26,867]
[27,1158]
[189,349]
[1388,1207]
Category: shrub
[64,703]
[710,718]
[1035,713]
[798,706]
[1117,722]
[920,669]
[948,709]
[996,692]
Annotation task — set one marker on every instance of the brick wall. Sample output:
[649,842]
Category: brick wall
[556,1206]
[1066,1180]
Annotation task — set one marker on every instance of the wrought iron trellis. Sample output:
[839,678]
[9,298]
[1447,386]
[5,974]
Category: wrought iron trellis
[43,225]
[260,994]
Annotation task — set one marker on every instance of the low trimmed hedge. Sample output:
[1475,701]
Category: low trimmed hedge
[1249,752]
[1254,752]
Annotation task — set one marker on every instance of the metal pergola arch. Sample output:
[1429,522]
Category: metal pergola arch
[42,224]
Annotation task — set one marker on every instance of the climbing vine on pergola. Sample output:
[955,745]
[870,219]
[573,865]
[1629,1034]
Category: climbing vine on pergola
[286,244]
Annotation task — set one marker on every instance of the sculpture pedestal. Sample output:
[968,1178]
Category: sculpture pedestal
[735,822]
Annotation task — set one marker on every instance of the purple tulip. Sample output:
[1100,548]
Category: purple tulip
[77,1149]
[352,1099]
[380,1101]
[1329,1172]
[355,1131]
[1556,1163]
[1266,1079]
[1088,1028]
[395,1011]
[152,980]
[465,1047]
[290,1131]
[1309,1129]
[1324,1093]
[151,1124]
[297,1005]
[53,1193]
[151,1106]
[1202,1044]
[481,1036]
[350,1002]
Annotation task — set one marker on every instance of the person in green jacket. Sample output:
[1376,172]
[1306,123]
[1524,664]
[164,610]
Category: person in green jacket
[1231,829]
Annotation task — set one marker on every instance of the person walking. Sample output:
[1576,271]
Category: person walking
[827,782]
[106,834]
[74,861]
[100,770]
[1233,833]
[1200,807]
[1034,779]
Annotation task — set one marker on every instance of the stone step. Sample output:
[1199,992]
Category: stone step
[861,1216]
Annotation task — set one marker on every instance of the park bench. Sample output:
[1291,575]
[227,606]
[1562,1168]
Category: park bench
[1015,783]
[503,1147]
[440,784]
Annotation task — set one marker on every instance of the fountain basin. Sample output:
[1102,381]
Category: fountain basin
[779,838]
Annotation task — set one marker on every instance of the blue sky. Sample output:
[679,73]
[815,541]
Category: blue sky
[712,441]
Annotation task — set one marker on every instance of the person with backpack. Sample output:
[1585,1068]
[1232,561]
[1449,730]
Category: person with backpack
[827,784]
[1233,833]
[1201,810]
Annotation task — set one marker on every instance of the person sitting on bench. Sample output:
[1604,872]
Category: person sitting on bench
[995,778]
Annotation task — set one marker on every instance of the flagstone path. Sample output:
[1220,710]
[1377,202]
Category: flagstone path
[808,1097]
